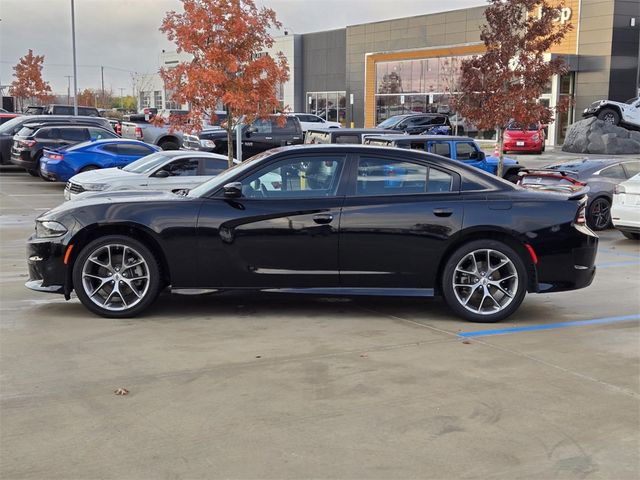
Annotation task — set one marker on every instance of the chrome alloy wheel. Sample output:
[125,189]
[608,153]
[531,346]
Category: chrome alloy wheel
[115,277]
[485,281]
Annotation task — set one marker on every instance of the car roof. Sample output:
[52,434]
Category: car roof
[191,153]
[420,114]
[40,124]
[119,140]
[420,138]
[584,164]
[348,130]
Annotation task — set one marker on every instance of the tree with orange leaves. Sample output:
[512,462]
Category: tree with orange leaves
[29,83]
[506,82]
[226,40]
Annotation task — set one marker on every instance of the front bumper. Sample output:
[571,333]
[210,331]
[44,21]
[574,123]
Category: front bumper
[522,146]
[45,261]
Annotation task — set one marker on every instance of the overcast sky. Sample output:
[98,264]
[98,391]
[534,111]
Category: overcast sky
[123,35]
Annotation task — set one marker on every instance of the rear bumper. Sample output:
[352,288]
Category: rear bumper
[625,216]
[20,161]
[56,170]
[568,264]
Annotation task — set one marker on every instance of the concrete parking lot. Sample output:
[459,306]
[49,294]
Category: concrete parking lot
[226,386]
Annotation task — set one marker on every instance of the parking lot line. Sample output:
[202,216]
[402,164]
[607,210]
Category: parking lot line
[617,254]
[550,326]
[617,264]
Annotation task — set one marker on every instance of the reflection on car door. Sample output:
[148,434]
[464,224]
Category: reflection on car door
[282,232]
[381,243]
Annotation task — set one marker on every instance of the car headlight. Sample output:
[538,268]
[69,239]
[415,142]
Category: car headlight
[535,137]
[95,187]
[208,143]
[49,228]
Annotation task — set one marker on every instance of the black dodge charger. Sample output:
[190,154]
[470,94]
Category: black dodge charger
[321,219]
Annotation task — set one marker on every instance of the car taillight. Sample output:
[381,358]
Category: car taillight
[55,156]
[139,133]
[27,143]
[581,215]
[619,189]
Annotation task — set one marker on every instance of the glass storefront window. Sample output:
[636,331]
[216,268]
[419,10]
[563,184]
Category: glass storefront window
[328,105]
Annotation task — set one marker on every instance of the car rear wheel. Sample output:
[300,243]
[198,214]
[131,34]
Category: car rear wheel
[484,281]
[88,168]
[599,216]
[609,115]
[169,146]
[116,277]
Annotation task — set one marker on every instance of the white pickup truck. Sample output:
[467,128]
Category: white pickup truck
[625,114]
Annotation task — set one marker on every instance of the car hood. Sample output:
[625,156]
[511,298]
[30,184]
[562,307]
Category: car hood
[111,198]
[506,161]
[105,175]
[520,133]
[213,134]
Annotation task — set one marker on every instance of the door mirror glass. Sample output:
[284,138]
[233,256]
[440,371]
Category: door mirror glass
[481,155]
[233,190]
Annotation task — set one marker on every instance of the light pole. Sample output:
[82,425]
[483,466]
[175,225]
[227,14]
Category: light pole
[121,98]
[68,89]
[75,70]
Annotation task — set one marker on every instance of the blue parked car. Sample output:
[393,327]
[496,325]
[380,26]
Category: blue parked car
[61,164]
[463,149]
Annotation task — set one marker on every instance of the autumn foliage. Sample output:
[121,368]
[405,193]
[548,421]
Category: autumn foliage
[506,82]
[226,40]
[29,84]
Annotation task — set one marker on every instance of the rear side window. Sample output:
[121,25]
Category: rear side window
[74,134]
[351,139]
[89,112]
[62,110]
[26,131]
[99,133]
[616,171]
[262,126]
[110,148]
[213,166]
[441,149]
[132,149]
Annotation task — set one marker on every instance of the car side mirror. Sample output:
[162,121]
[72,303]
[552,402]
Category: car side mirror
[233,190]
[162,174]
[480,155]
[250,131]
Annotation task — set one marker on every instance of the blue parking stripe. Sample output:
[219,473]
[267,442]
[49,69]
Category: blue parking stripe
[550,326]
[617,264]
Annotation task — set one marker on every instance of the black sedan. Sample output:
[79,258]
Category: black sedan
[321,219]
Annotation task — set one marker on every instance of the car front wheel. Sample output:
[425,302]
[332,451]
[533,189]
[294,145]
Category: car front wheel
[484,281]
[609,115]
[116,277]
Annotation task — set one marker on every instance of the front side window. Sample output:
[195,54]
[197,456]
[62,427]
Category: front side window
[213,166]
[347,139]
[302,177]
[262,126]
[382,176]
[110,148]
[465,151]
[184,167]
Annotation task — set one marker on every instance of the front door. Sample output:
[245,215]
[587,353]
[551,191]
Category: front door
[282,232]
[396,223]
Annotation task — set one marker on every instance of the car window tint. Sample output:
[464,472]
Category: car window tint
[62,110]
[303,177]
[439,181]
[382,176]
[441,149]
[616,171]
[74,134]
[632,168]
[288,128]
[184,167]
[110,148]
[132,149]
[262,126]
[417,146]
[213,166]
[347,139]
[99,133]
[465,151]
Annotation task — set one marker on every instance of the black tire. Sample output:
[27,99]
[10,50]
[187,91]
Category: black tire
[88,168]
[169,145]
[511,176]
[511,302]
[599,214]
[631,235]
[609,115]
[150,266]
[33,173]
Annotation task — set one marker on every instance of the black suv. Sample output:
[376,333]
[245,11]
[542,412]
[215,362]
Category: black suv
[33,138]
[13,126]
[418,123]
[259,136]
[68,110]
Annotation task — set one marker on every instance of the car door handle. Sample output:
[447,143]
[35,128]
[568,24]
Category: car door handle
[442,212]
[323,218]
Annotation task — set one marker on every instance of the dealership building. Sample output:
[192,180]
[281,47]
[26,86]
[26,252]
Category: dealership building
[365,73]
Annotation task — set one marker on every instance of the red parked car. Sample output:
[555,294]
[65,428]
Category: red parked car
[5,117]
[530,140]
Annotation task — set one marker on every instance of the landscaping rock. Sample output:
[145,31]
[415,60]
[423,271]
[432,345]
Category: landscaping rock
[595,136]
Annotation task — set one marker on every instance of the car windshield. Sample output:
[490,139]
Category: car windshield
[145,164]
[225,176]
[7,127]
[390,122]
[518,126]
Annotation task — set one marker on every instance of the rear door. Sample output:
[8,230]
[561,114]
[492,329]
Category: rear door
[396,222]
